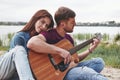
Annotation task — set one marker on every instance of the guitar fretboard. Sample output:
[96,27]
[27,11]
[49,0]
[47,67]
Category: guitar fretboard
[80,46]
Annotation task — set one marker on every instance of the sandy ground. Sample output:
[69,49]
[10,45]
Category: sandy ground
[109,72]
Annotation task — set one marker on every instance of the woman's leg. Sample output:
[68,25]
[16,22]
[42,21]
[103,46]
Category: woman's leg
[7,66]
[22,64]
[14,60]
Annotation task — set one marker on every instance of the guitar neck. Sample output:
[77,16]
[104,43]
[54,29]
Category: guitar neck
[80,46]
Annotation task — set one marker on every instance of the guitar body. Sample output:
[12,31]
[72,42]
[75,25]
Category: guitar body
[42,67]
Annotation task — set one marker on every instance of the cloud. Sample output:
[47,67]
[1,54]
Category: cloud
[86,10]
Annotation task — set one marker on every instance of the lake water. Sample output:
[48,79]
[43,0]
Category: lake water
[98,29]
[9,29]
[78,29]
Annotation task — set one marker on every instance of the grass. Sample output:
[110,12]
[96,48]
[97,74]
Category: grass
[110,53]
[5,41]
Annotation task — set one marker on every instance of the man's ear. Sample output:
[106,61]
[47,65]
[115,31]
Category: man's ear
[62,23]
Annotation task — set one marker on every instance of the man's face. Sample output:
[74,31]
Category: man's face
[70,23]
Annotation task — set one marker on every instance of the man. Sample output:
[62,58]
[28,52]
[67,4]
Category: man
[65,20]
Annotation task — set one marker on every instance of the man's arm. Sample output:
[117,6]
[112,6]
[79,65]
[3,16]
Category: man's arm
[38,44]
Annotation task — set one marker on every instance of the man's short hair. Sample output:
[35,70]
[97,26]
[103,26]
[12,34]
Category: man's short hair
[63,13]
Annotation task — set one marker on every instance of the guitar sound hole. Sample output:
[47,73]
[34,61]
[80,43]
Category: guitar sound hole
[62,67]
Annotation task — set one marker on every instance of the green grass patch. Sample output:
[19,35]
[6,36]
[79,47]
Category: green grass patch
[110,54]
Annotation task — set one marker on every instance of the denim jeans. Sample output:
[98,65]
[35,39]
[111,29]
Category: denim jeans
[15,60]
[87,70]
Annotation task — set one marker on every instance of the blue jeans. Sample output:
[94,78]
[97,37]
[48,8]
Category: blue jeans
[87,70]
[15,60]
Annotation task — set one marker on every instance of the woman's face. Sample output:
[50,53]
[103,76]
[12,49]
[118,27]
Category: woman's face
[42,24]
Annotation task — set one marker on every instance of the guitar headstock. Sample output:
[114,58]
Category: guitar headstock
[98,36]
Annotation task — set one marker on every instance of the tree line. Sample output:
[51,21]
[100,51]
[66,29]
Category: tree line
[12,23]
[107,23]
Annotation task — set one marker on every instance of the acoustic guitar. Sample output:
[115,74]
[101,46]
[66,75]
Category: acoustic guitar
[52,67]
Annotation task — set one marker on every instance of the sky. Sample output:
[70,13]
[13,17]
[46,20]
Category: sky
[86,10]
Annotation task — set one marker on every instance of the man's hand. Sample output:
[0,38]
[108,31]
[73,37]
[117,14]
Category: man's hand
[66,55]
[94,44]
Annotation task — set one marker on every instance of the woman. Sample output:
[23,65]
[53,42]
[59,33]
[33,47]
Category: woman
[16,59]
